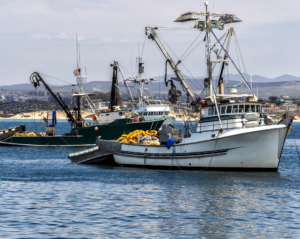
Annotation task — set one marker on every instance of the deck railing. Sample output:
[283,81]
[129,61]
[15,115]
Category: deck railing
[215,124]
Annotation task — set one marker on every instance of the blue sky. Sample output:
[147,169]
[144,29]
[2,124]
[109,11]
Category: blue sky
[40,36]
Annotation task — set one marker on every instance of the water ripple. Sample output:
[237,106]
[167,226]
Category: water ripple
[43,195]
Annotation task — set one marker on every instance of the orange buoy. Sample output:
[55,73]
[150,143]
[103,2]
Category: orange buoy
[96,128]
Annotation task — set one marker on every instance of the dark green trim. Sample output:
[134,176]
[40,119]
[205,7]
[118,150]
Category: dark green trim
[88,135]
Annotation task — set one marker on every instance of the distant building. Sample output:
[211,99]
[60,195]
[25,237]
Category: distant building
[288,106]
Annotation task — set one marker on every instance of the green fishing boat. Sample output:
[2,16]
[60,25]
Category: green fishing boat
[82,133]
[84,136]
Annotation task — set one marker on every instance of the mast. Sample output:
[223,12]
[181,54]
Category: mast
[207,23]
[141,80]
[220,88]
[114,89]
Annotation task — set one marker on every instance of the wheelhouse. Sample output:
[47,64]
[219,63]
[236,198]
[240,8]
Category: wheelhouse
[232,109]
[231,115]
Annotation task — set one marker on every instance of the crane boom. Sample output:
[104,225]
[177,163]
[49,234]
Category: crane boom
[35,79]
[152,34]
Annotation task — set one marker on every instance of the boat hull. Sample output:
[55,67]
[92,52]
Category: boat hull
[239,149]
[87,136]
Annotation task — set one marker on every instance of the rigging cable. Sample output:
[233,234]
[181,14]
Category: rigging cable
[175,158]
[124,68]
[182,63]
[191,45]
[177,28]
[241,55]
[143,46]
[57,79]
[192,50]
[296,145]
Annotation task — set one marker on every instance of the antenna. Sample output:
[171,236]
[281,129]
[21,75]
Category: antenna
[131,60]
[77,51]
[200,6]
[251,77]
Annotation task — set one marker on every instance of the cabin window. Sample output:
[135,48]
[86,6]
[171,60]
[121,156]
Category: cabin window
[247,108]
[161,113]
[258,108]
[216,112]
[252,108]
[211,111]
[235,109]
[145,113]
[241,108]
[223,109]
[229,109]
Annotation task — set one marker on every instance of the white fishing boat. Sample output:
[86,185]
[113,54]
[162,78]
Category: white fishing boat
[155,112]
[232,132]
[144,109]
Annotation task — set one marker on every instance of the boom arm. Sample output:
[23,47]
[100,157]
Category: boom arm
[152,34]
[35,79]
[220,89]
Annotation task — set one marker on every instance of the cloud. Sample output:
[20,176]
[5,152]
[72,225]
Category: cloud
[62,35]
[40,35]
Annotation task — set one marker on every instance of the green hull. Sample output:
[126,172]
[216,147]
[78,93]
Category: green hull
[86,136]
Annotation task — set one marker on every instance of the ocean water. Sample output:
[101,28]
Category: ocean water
[44,195]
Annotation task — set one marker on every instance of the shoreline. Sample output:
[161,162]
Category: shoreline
[87,115]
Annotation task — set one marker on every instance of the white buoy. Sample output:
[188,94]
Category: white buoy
[252,116]
[234,91]
[250,124]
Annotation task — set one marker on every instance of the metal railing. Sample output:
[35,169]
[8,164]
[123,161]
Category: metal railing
[225,123]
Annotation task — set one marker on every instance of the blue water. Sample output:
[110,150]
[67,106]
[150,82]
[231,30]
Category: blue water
[43,195]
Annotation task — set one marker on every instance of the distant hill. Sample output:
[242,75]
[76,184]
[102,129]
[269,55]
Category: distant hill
[258,78]
[282,85]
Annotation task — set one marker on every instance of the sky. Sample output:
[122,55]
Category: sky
[40,36]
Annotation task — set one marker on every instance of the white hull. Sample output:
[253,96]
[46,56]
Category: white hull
[252,148]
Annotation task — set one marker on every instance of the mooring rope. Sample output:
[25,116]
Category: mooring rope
[296,145]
